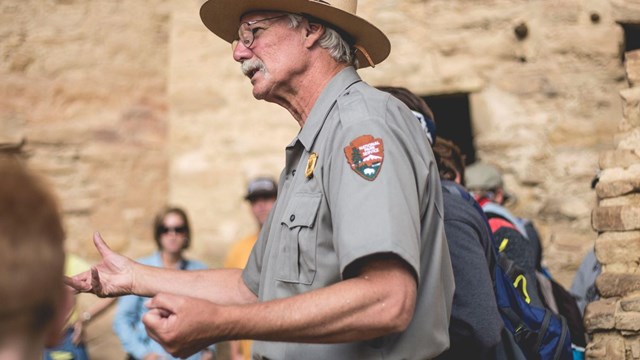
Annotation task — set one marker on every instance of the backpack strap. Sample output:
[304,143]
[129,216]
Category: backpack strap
[563,338]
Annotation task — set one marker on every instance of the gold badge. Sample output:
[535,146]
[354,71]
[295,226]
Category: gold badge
[311,165]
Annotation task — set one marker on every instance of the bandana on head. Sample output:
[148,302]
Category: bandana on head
[428,125]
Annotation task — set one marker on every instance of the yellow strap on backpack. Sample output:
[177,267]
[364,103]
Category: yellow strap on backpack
[523,280]
[503,244]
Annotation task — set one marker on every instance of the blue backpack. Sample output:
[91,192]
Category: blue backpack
[534,331]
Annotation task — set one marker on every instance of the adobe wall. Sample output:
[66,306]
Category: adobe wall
[128,105]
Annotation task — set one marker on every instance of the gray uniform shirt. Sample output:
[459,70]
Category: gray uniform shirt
[373,189]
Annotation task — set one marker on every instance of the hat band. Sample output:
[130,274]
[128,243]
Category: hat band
[365,53]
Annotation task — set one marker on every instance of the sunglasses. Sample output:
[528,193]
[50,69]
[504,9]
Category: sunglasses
[177,230]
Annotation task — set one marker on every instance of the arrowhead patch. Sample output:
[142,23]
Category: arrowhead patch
[364,155]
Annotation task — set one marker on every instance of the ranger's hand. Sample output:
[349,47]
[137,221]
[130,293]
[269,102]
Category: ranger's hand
[182,325]
[113,276]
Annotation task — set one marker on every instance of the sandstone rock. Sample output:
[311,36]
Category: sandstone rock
[628,320]
[617,285]
[632,67]
[616,218]
[626,200]
[629,139]
[618,158]
[600,315]
[606,346]
[619,181]
[618,247]
[630,303]
[625,11]
[631,105]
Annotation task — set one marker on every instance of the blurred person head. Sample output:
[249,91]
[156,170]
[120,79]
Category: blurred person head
[450,160]
[35,301]
[485,181]
[172,231]
[261,194]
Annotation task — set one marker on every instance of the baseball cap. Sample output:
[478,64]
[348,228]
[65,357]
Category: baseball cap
[482,176]
[261,187]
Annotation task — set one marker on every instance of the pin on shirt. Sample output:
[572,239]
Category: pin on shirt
[311,165]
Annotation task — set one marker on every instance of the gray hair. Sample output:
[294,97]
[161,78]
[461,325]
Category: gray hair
[338,47]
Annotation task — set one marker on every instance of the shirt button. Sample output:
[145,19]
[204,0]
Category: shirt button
[292,217]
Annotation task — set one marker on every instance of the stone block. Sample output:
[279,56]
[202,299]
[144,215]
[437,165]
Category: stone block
[632,67]
[619,181]
[633,346]
[617,285]
[631,303]
[607,218]
[625,11]
[606,346]
[600,315]
[626,200]
[616,218]
[627,320]
[628,138]
[617,188]
[631,105]
[618,158]
[612,247]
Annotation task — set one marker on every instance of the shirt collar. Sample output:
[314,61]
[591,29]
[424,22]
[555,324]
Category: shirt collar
[343,80]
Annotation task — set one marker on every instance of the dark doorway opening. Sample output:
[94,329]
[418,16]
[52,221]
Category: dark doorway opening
[631,38]
[453,121]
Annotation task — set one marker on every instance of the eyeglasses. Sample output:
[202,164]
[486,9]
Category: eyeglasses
[247,34]
[178,229]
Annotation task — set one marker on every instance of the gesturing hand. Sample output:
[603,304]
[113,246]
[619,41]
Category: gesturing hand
[113,276]
[182,325]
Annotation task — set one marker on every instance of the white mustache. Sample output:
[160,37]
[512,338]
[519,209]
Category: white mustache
[252,66]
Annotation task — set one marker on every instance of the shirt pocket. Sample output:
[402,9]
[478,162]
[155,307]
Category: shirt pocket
[297,255]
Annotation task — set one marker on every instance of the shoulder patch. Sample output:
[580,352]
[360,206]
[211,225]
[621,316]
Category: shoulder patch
[364,156]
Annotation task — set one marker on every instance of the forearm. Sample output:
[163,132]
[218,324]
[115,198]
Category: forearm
[376,303]
[222,286]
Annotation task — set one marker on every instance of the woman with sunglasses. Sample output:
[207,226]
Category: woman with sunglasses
[172,235]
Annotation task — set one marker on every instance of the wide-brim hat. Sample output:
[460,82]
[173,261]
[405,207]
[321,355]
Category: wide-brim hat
[222,17]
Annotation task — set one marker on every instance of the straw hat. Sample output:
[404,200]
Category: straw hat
[222,17]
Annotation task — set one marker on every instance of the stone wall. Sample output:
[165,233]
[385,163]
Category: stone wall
[129,105]
[614,321]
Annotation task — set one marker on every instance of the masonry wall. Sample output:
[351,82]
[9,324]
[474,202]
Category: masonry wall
[129,105]
[614,321]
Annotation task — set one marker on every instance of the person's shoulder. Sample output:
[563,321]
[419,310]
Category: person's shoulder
[362,102]
[459,209]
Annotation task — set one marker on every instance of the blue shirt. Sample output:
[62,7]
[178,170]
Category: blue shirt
[127,322]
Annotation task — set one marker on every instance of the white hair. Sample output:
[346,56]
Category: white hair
[338,47]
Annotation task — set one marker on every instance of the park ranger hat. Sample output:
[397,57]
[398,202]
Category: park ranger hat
[222,17]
